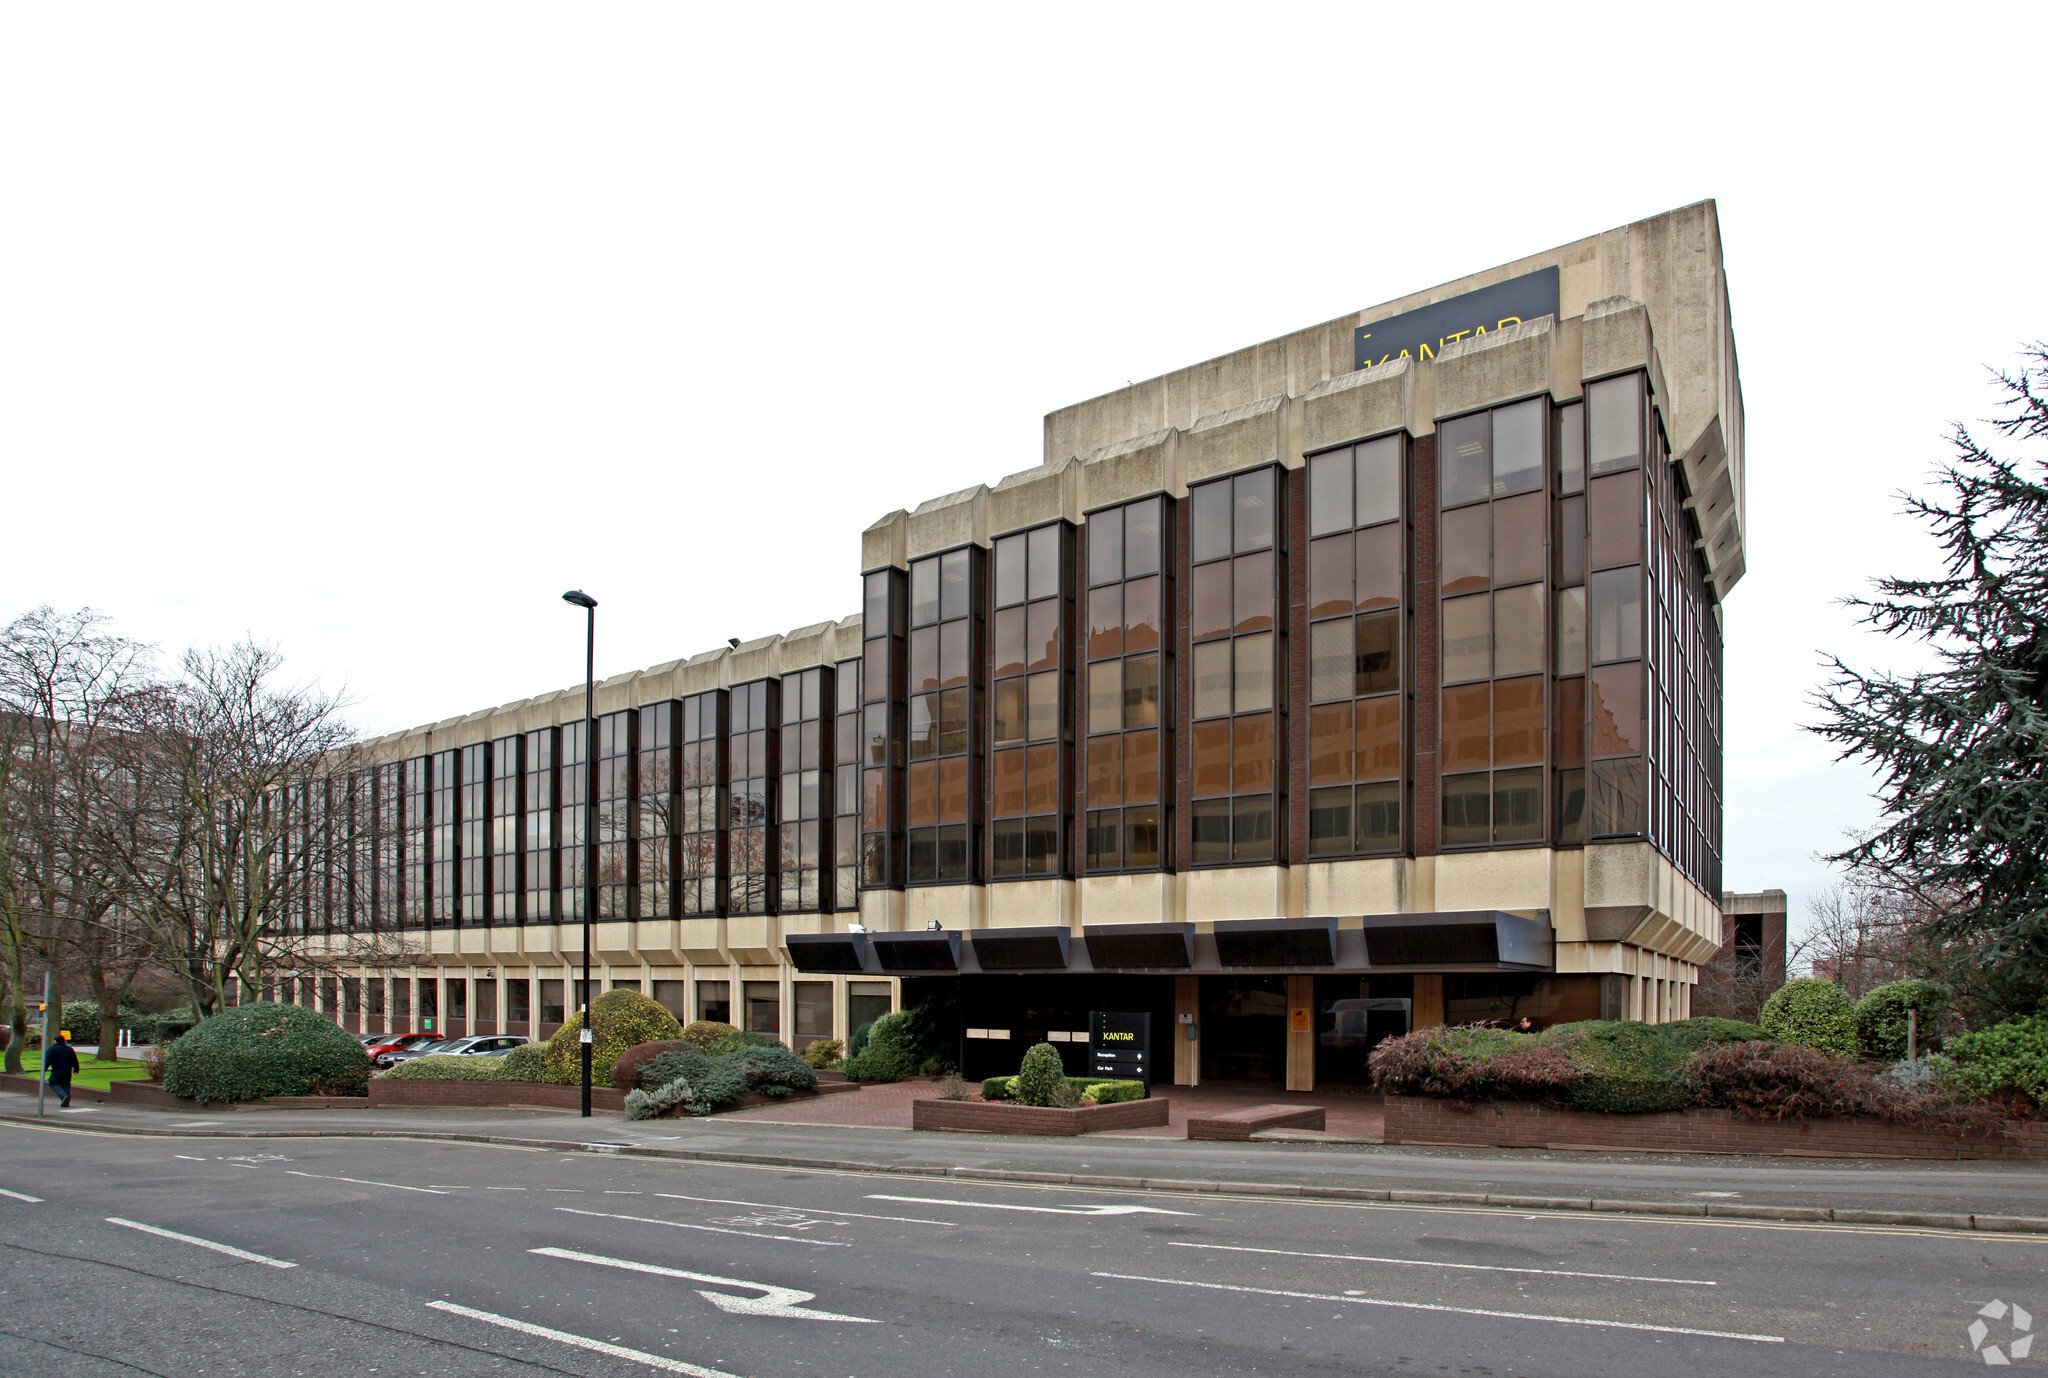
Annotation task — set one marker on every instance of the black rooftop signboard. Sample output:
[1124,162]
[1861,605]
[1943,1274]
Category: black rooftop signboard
[1423,332]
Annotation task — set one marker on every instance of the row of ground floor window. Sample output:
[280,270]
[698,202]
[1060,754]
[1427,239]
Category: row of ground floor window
[796,1009]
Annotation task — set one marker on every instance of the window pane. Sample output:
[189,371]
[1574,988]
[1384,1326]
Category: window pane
[1209,522]
[1141,614]
[1330,574]
[1042,634]
[1329,821]
[1142,537]
[1042,778]
[924,726]
[1379,480]
[1106,547]
[1518,721]
[1518,631]
[953,643]
[1212,757]
[1571,448]
[1252,753]
[1009,639]
[1570,731]
[1007,773]
[1518,806]
[1209,600]
[1518,538]
[1615,799]
[1141,836]
[1379,817]
[924,854]
[875,731]
[1254,673]
[1212,679]
[1467,549]
[1141,767]
[1614,514]
[1007,843]
[1045,562]
[1042,718]
[953,720]
[1379,738]
[1105,621]
[1210,830]
[924,594]
[1571,806]
[1331,665]
[1010,570]
[1009,712]
[874,800]
[1379,568]
[953,587]
[1141,691]
[1106,696]
[1571,631]
[1466,459]
[1255,511]
[1252,598]
[953,789]
[1105,771]
[1467,729]
[1329,744]
[1468,809]
[1614,614]
[1571,541]
[1105,836]
[924,662]
[1379,653]
[874,607]
[1329,492]
[1041,846]
[1617,709]
[1468,638]
[1614,424]
[1252,834]
[1518,447]
[874,672]
[923,793]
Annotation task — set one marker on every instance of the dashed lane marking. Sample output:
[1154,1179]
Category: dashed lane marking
[1432,1263]
[363,1182]
[214,1245]
[20,1196]
[710,1229]
[638,1356]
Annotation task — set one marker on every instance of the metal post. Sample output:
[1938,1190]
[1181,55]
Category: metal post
[588,1035]
[1912,1036]
[43,1081]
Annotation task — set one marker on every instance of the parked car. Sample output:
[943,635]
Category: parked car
[486,1045]
[382,1050]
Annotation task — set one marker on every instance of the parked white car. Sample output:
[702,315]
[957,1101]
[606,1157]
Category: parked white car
[492,1045]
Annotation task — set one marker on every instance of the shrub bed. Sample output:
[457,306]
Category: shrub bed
[1089,1089]
[263,1049]
[441,1068]
[678,1074]
[621,1019]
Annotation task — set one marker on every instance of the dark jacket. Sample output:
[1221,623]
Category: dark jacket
[61,1061]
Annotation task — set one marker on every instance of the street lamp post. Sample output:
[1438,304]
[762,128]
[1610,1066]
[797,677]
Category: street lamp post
[589,606]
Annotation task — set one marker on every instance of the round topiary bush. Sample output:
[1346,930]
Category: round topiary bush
[1881,1016]
[823,1052]
[264,1049]
[621,1019]
[774,1070]
[705,1032]
[1040,1076]
[1812,1013]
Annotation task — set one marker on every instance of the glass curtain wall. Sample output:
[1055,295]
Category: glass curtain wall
[572,820]
[475,845]
[507,776]
[750,753]
[656,826]
[885,625]
[1234,580]
[1032,685]
[701,817]
[1617,503]
[444,899]
[805,806]
[1357,582]
[1130,687]
[1493,552]
[538,826]
[418,821]
[1568,560]
[942,788]
[615,810]
[846,754]
[390,852]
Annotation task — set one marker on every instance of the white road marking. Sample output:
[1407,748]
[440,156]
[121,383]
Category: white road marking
[785,1302]
[1452,1310]
[228,1249]
[362,1182]
[564,1337]
[1037,1210]
[804,1210]
[1431,1263]
[711,1229]
[19,1196]
[188,1157]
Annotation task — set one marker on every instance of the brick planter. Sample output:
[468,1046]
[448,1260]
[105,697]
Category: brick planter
[1004,1117]
[146,1093]
[395,1093]
[1423,1120]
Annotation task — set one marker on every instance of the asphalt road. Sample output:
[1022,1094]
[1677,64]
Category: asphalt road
[394,1257]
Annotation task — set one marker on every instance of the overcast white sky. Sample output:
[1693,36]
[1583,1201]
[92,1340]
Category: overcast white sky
[369,329]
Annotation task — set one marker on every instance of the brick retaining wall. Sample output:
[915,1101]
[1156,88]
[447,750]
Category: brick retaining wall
[1002,1117]
[1423,1120]
[390,1092]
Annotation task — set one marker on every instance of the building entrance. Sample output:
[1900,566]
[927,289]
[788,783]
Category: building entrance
[1353,1015]
[1244,1028]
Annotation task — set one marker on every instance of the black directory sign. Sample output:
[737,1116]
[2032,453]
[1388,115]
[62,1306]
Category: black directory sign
[1424,331]
[1120,1046]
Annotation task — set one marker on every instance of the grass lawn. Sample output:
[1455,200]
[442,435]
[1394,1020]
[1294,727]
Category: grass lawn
[89,1073]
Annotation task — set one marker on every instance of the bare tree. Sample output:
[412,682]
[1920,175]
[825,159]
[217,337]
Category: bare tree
[1859,934]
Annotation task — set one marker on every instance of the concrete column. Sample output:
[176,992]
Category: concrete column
[785,996]
[1429,1000]
[841,1017]
[1187,1053]
[1301,1033]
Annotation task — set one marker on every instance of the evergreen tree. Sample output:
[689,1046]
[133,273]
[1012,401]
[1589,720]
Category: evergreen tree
[1962,747]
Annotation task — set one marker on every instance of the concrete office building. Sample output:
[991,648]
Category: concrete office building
[1367,676]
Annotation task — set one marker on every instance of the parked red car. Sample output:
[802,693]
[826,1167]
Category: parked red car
[398,1043]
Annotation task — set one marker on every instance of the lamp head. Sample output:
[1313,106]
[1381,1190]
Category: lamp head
[579,598]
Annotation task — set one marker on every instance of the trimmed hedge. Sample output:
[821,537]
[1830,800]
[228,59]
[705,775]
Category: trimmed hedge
[442,1067]
[621,1019]
[1101,1092]
[877,1064]
[1881,1016]
[1812,1013]
[265,1049]
[82,1017]
[2005,1061]
[527,1062]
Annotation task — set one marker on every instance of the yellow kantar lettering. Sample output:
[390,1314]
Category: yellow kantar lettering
[1452,339]
[1506,321]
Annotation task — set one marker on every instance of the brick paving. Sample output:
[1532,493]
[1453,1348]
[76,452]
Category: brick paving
[1346,1115]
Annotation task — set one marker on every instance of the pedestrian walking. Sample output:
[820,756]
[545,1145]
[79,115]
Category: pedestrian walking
[59,1063]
